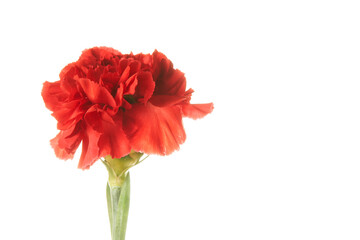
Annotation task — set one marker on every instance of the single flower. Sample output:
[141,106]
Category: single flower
[117,103]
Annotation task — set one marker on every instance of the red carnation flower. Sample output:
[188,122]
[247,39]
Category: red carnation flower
[114,103]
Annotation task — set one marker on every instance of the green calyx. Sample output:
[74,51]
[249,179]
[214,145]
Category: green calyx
[117,167]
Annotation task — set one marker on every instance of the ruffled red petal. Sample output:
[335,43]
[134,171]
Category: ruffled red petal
[113,141]
[53,95]
[169,81]
[130,85]
[174,83]
[134,67]
[68,84]
[196,111]
[145,87]
[96,117]
[69,114]
[166,100]
[169,100]
[125,74]
[154,130]
[160,65]
[109,80]
[66,142]
[111,138]
[90,149]
[95,55]
[96,93]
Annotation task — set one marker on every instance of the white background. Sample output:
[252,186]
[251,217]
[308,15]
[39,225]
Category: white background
[277,159]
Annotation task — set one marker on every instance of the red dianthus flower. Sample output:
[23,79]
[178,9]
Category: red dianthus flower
[114,103]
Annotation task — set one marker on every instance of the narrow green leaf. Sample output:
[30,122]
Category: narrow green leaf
[115,192]
[109,205]
[123,207]
[119,198]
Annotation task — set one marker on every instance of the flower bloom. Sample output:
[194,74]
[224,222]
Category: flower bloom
[114,103]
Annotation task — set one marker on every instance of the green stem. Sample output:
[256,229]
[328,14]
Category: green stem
[118,191]
[118,199]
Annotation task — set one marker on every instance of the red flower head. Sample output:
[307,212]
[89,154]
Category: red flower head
[115,103]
